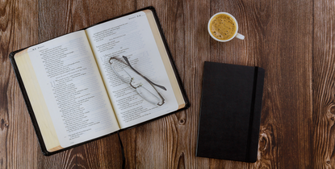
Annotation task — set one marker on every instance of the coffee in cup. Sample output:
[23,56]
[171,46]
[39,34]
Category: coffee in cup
[223,27]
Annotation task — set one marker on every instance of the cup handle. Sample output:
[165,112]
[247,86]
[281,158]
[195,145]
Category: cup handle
[239,36]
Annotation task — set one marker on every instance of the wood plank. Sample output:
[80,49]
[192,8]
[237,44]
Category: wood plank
[170,142]
[18,29]
[6,36]
[152,139]
[236,51]
[106,152]
[78,18]
[323,84]
[285,51]
[57,18]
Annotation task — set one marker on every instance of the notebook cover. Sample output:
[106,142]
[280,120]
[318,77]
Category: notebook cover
[230,112]
[31,112]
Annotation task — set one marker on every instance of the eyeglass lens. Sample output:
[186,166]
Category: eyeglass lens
[142,86]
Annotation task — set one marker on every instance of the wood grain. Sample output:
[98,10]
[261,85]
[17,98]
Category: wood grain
[6,29]
[18,29]
[189,49]
[109,149]
[55,19]
[324,84]
[234,52]
[287,122]
[292,39]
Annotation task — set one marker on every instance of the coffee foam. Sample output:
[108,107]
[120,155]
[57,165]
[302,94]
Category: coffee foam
[223,27]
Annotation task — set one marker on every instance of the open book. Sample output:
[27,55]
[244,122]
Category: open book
[71,92]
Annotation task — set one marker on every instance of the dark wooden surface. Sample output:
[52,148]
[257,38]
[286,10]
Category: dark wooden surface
[293,40]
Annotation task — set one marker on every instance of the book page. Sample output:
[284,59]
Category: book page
[72,89]
[131,36]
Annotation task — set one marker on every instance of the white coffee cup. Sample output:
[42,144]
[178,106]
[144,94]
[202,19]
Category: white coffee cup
[237,35]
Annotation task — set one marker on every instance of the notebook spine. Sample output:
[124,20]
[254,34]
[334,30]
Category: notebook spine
[255,115]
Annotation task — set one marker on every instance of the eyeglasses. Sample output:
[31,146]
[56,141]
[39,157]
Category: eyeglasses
[142,85]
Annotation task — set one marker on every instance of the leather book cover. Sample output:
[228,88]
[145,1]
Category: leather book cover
[230,112]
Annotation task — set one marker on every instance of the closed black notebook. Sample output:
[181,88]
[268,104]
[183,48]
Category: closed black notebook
[230,112]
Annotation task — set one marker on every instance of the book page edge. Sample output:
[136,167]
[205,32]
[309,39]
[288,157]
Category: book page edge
[36,99]
[165,58]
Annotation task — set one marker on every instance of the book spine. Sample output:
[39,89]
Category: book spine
[255,116]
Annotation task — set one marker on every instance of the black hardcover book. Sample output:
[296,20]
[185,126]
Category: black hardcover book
[230,112]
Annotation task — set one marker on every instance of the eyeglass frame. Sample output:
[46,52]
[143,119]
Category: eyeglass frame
[145,78]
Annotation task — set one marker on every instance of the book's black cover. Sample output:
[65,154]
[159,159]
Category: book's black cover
[30,109]
[230,112]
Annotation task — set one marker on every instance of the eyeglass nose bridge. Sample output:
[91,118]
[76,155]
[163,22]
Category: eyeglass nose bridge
[135,87]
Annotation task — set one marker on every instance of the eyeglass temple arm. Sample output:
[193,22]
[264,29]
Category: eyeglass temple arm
[127,61]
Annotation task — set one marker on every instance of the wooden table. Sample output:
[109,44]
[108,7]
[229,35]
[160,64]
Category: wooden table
[293,40]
